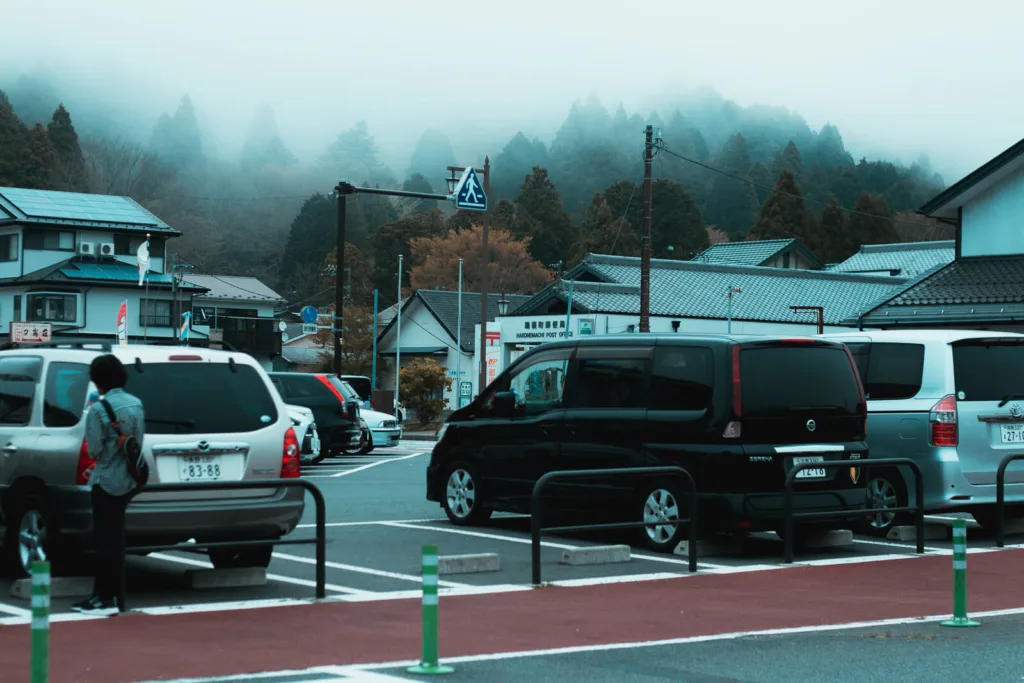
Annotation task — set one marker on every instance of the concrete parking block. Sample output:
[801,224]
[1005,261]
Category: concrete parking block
[837,538]
[468,564]
[714,547]
[601,554]
[932,532]
[60,587]
[243,577]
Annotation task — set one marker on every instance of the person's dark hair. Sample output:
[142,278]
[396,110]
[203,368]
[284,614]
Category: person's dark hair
[107,373]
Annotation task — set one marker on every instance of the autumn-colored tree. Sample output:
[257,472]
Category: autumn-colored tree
[356,342]
[913,227]
[512,269]
[715,236]
[870,223]
[422,384]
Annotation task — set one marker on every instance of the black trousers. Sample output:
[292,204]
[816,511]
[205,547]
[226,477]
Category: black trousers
[108,529]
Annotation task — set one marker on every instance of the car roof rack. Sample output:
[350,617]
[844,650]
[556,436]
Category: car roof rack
[80,346]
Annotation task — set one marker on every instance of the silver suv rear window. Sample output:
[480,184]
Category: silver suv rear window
[989,371]
[201,398]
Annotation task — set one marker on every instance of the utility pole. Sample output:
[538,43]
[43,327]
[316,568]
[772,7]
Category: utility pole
[645,242]
[339,289]
[485,259]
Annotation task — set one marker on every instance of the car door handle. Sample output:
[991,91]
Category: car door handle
[10,449]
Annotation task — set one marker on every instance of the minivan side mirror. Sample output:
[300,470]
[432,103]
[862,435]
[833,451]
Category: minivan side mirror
[504,404]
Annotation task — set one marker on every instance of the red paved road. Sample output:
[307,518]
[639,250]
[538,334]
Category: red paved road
[138,647]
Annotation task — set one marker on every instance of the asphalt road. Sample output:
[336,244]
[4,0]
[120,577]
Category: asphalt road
[379,520]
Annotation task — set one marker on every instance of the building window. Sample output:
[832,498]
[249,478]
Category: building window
[156,313]
[17,308]
[785,260]
[8,248]
[128,245]
[52,308]
[50,240]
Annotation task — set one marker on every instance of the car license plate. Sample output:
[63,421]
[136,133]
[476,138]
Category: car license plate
[813,472]
[1012,433]
[199,467]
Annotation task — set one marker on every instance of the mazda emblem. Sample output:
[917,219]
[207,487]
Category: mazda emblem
[811,425]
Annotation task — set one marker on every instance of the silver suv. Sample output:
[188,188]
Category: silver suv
[953,400]
[210,416]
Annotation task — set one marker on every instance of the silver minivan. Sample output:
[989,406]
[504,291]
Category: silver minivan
[210,416]
[952,400]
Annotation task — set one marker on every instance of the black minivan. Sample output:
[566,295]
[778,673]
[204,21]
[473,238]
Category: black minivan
[735,411]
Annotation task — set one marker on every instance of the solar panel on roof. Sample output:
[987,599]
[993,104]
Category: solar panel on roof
[79,207]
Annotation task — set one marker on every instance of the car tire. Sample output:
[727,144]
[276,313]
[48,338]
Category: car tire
[885,488]
[461,497]
[366,450]
[238,558]
[27,512]
[656,502]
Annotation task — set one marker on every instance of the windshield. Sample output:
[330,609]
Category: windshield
[201,398]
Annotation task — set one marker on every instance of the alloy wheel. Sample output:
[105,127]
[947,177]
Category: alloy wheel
[461,493]
[661,506]
[31,539]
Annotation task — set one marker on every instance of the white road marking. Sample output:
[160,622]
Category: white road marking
[684,641]
[543,543]
[374,464]
[343,675]
[625,578]
[381,521]
[15,611]
[271,577]
[366,570]
[891,544]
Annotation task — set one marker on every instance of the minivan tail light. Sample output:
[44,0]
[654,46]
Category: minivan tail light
[86,464]
[291,468]
[943,419]
[734,429]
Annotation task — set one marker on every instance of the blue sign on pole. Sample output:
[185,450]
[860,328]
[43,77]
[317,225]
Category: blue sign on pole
[309,314]
[470,193]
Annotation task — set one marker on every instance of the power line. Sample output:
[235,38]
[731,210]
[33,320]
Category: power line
[773,190]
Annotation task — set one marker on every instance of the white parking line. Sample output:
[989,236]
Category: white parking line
[271,577]
[366,570]
[15,611]
[370,523]
[374,464]
[890,544]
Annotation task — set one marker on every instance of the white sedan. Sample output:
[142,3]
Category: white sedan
[309,438]
[384,431]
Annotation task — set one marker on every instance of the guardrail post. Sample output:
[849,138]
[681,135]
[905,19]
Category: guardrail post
[40,622]
[960,617]
[429,663]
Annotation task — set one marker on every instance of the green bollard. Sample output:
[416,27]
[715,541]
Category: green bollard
[960,617]
[429,663]
[40,622]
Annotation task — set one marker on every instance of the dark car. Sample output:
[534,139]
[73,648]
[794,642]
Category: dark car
[735,412]
[336,414]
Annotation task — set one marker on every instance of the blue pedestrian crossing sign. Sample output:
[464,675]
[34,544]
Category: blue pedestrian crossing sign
[470,193]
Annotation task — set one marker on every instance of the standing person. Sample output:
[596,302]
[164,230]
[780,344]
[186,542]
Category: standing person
[112,480]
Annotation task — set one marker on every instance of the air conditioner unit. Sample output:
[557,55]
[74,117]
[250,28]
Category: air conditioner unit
[106,249]
[86,248]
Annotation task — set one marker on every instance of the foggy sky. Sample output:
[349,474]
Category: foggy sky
[898,77]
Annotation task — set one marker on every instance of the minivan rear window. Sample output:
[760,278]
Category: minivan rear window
[201,398]
[889,371]
[989,371]
[780,379]
[345,389]
[362,386]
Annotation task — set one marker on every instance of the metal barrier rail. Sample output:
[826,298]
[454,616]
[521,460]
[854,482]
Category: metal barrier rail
[1001,496]
[536,509]
[321,524]
[833,514]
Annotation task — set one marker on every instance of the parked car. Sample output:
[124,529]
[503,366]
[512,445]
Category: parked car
[309,438]
[364,387]
[736,412]
[381,431]
[336,415]
[210,416]
[951,400]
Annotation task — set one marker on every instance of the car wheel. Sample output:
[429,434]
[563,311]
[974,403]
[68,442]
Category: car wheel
[28,533]
[366,450]
[462,501]
[237,558]
[661,503]
[885,489]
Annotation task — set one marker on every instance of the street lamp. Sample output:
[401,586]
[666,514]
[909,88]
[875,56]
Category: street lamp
[502,305]
[452,182]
